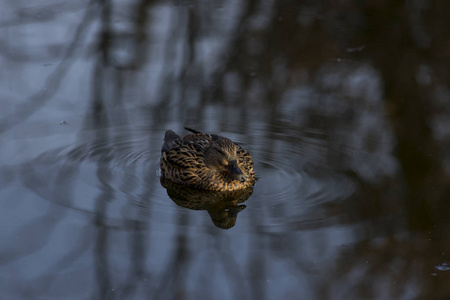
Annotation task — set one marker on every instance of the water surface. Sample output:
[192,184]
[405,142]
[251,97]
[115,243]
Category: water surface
[343,108]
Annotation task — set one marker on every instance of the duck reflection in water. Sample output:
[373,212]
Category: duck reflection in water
[223,207]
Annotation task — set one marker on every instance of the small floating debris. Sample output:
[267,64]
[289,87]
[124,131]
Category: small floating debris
[356,49]
[63,123]
[442,267]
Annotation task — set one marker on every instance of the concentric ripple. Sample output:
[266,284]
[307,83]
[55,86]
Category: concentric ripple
[295,189]
[114,174]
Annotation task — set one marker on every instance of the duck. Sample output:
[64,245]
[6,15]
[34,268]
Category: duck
[206,161]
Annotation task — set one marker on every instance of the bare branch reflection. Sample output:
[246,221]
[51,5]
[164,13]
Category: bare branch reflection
[53,81]
[344,107]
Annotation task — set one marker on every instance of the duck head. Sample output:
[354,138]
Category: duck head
[222,157]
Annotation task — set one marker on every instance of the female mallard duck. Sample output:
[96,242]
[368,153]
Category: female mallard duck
[206,161]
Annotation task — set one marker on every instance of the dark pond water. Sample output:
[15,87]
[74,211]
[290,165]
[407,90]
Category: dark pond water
[344,108]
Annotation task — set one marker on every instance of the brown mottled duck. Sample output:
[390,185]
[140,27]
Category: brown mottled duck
[206,161]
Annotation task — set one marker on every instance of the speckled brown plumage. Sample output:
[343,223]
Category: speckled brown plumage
[206,161]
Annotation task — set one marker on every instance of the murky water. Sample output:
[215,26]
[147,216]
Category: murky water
[343,107]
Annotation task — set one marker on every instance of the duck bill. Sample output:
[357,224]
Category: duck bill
[235,171]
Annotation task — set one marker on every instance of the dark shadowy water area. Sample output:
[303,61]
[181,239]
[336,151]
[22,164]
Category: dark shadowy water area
[344,107]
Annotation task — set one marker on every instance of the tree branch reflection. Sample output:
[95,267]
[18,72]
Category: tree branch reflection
[358,89]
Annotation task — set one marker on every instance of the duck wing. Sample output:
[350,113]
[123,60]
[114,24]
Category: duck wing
[192,130]
[189,152]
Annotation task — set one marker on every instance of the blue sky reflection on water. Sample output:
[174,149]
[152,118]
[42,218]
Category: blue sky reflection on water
[343,107]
